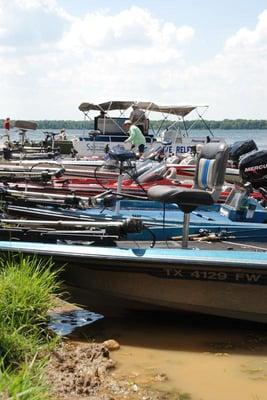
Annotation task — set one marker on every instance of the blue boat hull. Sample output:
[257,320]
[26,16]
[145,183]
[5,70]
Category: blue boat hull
[224,283]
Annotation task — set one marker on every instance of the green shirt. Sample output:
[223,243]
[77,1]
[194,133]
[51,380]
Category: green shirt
[136,136]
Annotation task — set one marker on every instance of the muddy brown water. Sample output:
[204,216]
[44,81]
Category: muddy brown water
[200,357]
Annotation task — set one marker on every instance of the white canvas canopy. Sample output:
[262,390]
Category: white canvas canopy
[116,105]
[178,110]
[107,106]
[84,107]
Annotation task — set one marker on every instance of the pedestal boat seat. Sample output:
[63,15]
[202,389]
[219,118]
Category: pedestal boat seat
[208,182]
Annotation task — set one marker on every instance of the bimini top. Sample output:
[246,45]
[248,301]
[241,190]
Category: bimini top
[25,125]
[180,111]
[107,106]
[88,107]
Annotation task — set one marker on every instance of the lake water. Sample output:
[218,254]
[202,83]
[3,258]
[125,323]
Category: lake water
[189,357]
[231,135]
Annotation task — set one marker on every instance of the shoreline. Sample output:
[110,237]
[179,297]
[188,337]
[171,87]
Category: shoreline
[79,369]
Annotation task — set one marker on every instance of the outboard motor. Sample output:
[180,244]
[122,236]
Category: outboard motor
[153,174]
[253,169]
[241,148]
[7,153]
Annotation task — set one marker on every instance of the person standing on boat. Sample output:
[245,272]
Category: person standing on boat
[101,116]
[62,135]
[136,136]
[6,127]
[138,117]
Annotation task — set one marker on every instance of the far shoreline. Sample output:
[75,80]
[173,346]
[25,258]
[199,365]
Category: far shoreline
[225,124]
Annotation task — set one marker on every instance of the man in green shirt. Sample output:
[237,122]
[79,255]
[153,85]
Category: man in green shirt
[136,137]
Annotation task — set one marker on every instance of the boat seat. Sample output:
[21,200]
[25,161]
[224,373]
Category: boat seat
[187,199]
[206,190]
[121,155]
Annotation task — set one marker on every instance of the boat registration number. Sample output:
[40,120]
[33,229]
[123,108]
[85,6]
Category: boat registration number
[220,276]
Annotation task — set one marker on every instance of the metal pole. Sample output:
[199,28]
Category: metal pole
[185,230]
[119,184]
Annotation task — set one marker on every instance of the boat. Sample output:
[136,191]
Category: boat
[226,281]
[222,283]
[236,220]
[242,217]
[108,130]
[138,177]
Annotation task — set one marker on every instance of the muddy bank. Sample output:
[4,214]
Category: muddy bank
[80,370]
[86,370]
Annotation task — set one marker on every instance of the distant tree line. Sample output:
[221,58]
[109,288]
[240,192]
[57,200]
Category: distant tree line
[224,124]
[59,124]
[66,124]
[196,124]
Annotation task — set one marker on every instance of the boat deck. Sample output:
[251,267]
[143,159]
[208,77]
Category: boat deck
[201,245]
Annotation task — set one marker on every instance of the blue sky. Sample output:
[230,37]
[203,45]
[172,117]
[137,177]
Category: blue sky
[54,54]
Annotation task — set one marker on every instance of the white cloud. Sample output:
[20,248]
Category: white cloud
[246,37]
[101,55]
[133,28]
[236,78]
[35,3]
[51,61]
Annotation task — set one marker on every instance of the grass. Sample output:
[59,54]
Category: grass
[27,291]
[25,384]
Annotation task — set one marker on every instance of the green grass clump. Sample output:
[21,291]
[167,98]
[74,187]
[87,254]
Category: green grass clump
[27,291]
[26,288]
[25,384]
[16,347]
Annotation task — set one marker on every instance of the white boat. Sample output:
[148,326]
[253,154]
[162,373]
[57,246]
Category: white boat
[108,130]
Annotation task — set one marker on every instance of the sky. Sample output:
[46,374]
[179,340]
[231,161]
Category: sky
[56,54]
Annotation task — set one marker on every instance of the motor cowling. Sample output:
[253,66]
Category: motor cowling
[240,148]
[253,168]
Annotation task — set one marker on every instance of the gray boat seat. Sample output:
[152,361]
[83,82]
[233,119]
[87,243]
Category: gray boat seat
[207,186]
[187,199]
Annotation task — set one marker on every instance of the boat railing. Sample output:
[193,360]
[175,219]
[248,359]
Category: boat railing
[113,138]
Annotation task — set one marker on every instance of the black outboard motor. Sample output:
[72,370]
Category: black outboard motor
[7,153]
[241,148]
[253,169]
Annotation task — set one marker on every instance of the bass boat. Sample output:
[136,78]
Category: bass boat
[222,282]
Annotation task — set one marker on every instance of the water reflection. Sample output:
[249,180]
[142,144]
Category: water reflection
[64,323]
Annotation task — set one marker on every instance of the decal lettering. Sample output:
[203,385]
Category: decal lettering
[174,273]
[252,277]
[256,168]
[219,276]
[95,147]
[183,149]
